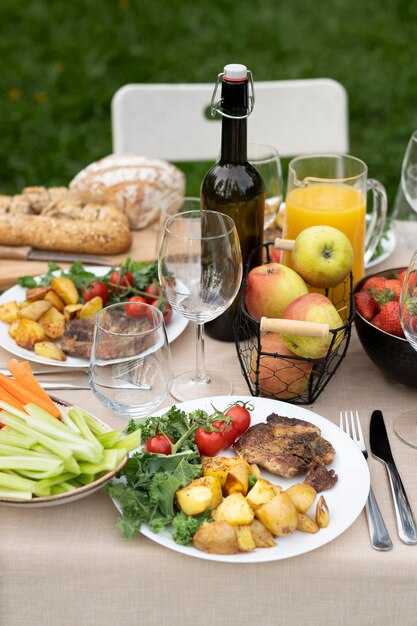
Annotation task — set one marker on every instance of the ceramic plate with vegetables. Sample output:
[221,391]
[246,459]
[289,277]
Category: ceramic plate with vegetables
[187,490]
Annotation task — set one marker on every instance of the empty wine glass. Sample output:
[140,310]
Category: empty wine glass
[405,203]
[200,270]
[406,425]
[130,365]
[266,160]
[189,203]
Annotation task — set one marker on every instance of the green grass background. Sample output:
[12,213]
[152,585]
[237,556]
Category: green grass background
[61,62]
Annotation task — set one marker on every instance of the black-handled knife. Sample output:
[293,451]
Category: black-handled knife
[381,450]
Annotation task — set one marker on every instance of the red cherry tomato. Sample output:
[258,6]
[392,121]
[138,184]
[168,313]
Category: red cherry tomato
[122,279]
[240,418]
[229,432]
[135,310]
[209,443]
[95,289]
[153,290]
[158,444]
[165,309]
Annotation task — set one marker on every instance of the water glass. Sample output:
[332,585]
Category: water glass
[266,160]
[405,204]
[130,366]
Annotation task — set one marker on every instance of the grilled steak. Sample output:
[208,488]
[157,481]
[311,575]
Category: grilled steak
[284,446]
[319,477]
[78,337]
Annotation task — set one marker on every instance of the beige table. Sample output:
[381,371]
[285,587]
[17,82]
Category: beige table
[68,565]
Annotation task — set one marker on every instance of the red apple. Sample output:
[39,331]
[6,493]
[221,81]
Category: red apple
[312,307]
[270,288]
[281,378]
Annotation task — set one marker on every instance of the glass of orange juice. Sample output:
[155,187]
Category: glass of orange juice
[331,190]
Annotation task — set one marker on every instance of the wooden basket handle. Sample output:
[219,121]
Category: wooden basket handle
[294,327]
[284,244]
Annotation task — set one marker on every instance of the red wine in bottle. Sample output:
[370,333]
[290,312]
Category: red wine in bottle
[233,186]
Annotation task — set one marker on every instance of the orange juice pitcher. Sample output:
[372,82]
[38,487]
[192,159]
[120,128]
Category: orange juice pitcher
[331,190]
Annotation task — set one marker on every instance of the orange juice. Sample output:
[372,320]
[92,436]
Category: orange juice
[338,205]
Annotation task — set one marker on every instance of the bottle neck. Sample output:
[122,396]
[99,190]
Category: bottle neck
[235,102]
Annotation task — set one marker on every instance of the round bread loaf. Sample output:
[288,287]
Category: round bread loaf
[139,186]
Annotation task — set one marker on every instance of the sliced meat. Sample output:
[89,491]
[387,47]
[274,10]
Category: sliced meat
[319,477]
[78,337]
[284,446]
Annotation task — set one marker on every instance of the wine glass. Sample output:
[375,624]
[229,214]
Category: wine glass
[266,160]
[406,425]
[405,203]
[130,365]
[188,203]
[200,271]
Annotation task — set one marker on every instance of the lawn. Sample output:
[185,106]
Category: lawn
[62,62]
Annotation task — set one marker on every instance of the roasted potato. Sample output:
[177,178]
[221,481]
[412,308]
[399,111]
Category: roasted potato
[9,311]
[53,322]
[262,491]
[322,513]
[55,300]
[244,539]
[27,333]
[71,311]
[51,315]
[37,293]
[217,538]
[307,524]
[199,495]
[65,289]
[262,537]
[49,350]
[303,496]
[34,310]
[219,466]
[254,469]
[279,515]
[235,510]
[91,308]
[237,479]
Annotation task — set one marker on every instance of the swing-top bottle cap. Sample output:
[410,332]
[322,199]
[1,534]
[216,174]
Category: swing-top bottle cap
[235,71]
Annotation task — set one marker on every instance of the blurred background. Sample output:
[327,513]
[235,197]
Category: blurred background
[63,61]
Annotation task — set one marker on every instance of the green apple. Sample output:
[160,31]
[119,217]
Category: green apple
[323,256]
[312,307]
[270,288]
[279,377]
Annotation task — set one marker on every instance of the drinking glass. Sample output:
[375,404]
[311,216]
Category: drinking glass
[130,365]
[406,425]
[266,160]
[405,203]
[200,271]
[189,203]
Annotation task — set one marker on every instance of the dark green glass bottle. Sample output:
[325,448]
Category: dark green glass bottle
[233,186]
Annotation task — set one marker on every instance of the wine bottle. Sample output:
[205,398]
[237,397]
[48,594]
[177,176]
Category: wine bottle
[233,186]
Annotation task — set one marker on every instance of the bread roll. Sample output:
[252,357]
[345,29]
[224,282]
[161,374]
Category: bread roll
[137,185]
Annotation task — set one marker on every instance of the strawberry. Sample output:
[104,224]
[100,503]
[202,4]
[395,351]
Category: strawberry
[366,305]
[389,318]
[374,282]
[402,276]
[394,285]
[376,321]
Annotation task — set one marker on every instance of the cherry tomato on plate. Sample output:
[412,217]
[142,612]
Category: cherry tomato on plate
[92,290]
[134,310]
[164,307]
[209,443]
[228,431]
[240,417]
[120,278]
[159,444]
[153,290]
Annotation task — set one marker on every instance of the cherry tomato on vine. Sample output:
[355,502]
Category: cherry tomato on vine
[158,444]
[119,278]
[134,310]
[95,289]
[209,443]
[240,418]
[153,290]
[164,307]
[229,432]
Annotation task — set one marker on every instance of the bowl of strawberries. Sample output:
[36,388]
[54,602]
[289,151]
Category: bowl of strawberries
[377,322]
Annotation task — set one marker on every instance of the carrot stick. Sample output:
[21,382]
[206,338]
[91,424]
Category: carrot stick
[5,396]
[26,396]
[24,375]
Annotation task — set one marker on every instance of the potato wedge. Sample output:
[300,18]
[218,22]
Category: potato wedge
[262,537]
[37,293]
[322,513]
[217,538]
[237,479]
[9,311]
[91,308]
[71,311]
[244,539]
[49,350]
[65,289]
[199,495]
[27,333]
[54,330]
[234,509]
[34,310]
[279,515]
[307,524]
[261,492]
[55,300]
[254,469]
[13,328]
[303,496]
[219,466]
[52,315]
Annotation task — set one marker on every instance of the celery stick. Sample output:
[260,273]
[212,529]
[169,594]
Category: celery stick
[15,495]
[129,442]
[13,450]
[58,489]
[109,439]
[109,463]
[95,428]
[78,418]
[86,479]
[12,438]
[37,464]
[17,483]
[43,487]
[11,409]
[57,447]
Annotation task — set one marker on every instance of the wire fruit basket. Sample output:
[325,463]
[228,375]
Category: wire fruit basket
[271,371]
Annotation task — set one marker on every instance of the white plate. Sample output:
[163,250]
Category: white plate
[175,327]
[387,246]
[345,500]
[69,496]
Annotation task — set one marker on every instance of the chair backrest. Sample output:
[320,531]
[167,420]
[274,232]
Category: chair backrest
[170,121]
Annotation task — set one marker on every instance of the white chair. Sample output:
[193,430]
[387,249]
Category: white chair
[173,122]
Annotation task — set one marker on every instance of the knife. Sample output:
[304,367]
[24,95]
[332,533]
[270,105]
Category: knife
[381,450]
[26,253]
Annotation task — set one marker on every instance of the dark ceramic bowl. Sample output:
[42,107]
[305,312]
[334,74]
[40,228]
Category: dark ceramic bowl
[393,355]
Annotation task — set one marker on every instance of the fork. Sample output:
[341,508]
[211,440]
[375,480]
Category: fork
[380,539]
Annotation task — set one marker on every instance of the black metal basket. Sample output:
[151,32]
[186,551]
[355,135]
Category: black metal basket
[298,380]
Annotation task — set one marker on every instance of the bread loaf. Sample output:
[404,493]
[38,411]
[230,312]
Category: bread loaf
[137,185]
[50,219]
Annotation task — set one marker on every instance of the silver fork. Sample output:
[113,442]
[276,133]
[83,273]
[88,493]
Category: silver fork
[380,539]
